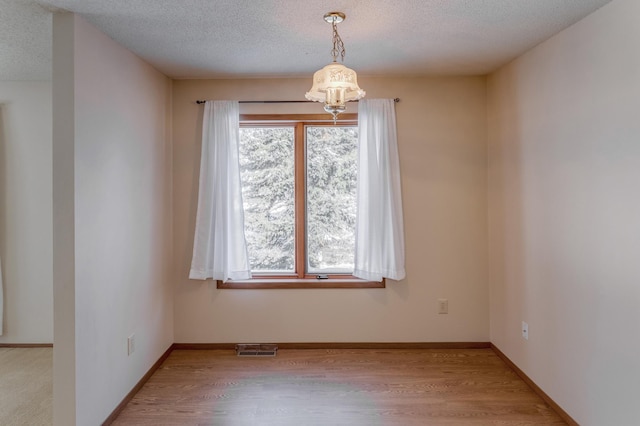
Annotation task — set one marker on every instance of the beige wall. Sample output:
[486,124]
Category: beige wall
[564,215]
[112,210]
[442,144]
[25,211]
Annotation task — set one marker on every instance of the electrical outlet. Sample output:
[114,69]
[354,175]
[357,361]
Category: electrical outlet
[525,330]
[131,344]
[443,306]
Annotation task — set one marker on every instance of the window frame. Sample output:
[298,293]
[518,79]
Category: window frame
[299,279]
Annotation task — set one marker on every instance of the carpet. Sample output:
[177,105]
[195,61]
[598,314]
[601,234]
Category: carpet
[26,386]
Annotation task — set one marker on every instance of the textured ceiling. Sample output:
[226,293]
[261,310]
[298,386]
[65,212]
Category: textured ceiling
[276,38]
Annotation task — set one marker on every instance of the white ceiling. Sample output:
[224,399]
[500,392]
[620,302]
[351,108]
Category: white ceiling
[277,38]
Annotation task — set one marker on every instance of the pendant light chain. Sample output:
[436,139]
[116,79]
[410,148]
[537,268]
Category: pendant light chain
[338,45]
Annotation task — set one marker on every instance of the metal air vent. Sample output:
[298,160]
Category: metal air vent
[256,349]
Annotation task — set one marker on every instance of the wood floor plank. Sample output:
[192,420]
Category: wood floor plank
[337,387]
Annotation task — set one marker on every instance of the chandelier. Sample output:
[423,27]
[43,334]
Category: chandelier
[335,84]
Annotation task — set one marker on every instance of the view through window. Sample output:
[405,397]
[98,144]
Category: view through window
[299,195]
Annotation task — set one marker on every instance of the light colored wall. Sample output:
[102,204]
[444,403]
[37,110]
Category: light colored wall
[564,215]
[25,211]
[442,144]
[118,135]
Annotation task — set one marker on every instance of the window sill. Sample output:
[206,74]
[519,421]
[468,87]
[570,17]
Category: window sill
[299,283]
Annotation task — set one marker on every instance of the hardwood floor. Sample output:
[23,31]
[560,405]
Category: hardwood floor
[337,387]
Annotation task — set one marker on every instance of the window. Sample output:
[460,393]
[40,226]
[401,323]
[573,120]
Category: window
[299,196]
[219,246]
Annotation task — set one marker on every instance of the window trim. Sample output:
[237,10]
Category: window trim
[299,280]
[299,283]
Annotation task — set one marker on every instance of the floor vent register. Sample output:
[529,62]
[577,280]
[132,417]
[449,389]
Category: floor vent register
[256,349]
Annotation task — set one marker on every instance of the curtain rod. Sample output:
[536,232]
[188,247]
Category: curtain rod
[279,102]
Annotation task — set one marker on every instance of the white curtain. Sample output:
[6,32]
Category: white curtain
[219,245]
[379,224]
